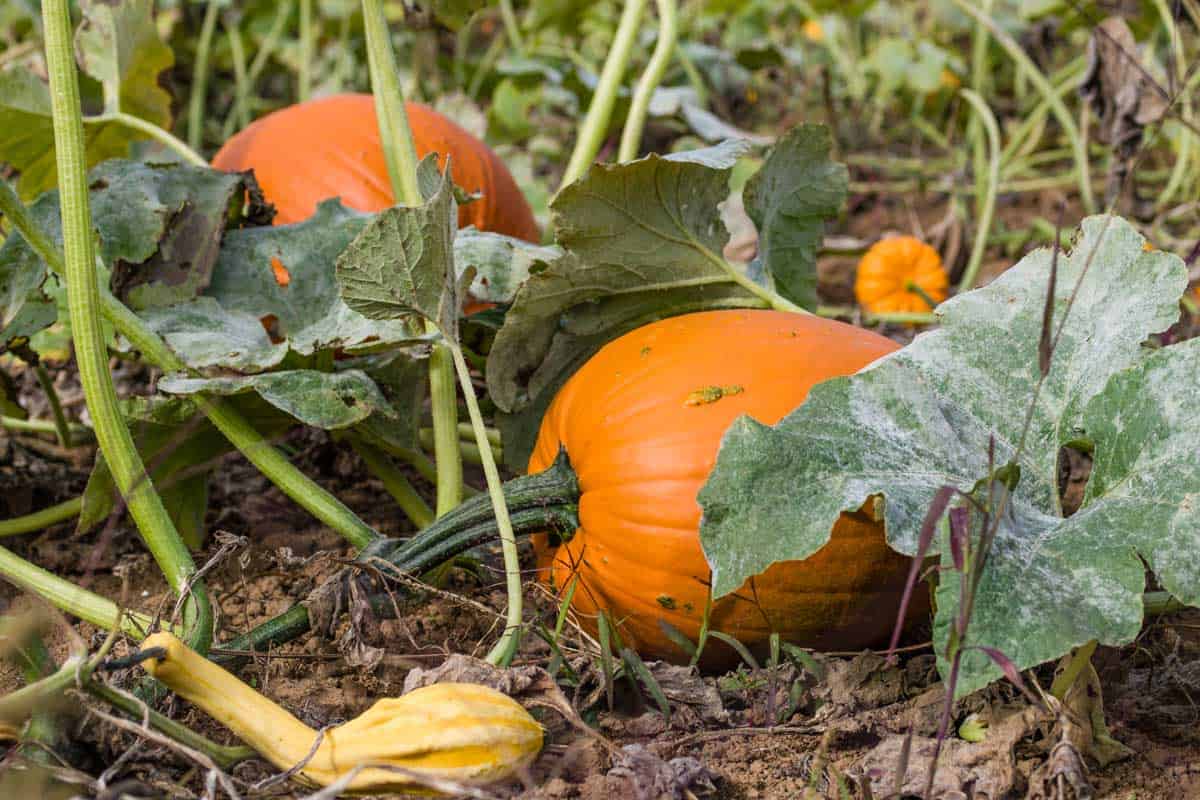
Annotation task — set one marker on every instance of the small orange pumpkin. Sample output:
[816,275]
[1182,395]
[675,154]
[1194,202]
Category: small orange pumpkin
[889,271]
[641,423]
[330,147]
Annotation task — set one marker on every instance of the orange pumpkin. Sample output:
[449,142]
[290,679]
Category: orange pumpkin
[888,272]
[330,147]
[641,423]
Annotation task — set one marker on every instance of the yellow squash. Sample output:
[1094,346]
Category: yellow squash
[459,732]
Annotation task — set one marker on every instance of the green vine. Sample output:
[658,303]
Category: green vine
[91,354]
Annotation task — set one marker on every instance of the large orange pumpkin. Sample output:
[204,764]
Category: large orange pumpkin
[330,147]
[641,423]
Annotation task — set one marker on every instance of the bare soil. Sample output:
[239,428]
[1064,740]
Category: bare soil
[746,734]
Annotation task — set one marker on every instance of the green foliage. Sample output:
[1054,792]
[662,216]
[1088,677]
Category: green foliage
[118,45]
[923,418]
[789,199]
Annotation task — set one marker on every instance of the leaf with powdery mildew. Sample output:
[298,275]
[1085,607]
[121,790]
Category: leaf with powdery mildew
[922,418]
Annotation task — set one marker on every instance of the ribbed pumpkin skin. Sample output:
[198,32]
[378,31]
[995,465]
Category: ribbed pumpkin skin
[881,283]
[330,147]
[642,454]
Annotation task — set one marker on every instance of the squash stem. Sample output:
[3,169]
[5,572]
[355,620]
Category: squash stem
[195,127]
[595,124]
[988,194]
[544,502]
[68,509]
[306,492]
[62,430]
[635,121]
[83,300]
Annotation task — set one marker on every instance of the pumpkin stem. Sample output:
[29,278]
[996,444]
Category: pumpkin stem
[912,286]
[546,502]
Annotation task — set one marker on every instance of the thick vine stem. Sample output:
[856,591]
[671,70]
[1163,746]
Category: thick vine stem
[431,548]
[75,600]
[241,434]
[83,300]
[635,121]
[594,125]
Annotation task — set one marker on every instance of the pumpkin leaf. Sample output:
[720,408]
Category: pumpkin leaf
[402,263]
[501,263]
[643,241]
[25,305]
[119,46]
[789,199]
[307,313]
[922,418]
[205,335]
[159,226]
[328,400]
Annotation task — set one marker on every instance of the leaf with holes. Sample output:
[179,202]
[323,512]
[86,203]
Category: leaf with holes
[328,400]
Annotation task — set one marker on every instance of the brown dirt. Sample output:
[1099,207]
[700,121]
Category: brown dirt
[717,741]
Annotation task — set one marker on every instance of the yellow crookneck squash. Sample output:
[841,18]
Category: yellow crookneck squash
[458,732]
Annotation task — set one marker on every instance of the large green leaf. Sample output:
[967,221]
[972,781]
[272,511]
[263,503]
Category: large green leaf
[206,335]
[118,46]
[643,240]
[328,400]
[500,263]
[309,313]
[159,227]
[923,417]
[25,306]
[789,199]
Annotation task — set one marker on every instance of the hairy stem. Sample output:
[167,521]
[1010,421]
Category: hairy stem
[668,32]
[988,194]
[195,127]
[401,156]
[595,124]
[83,300]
